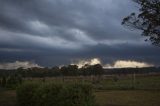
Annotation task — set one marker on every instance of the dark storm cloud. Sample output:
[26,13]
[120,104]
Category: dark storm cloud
[108,54]
[96,19]
[55,32]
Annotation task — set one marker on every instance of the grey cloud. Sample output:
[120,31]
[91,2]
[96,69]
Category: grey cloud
[55,32]
[18,64]
[98,21]
[108,54]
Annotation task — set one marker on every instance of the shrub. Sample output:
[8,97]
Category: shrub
[25,94]
[3,82]
[50,94]
[13,81]
[77,95]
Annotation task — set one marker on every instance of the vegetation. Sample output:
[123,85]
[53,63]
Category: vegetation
[70,70]
[7,97]
[73,70]
[11,81]
[3,82]
[129,83]
[51,94]
[66,86]
[127,98]
[112,90]
[148,19]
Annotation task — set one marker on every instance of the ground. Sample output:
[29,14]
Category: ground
[145,91]
[128,98]
[103,98]
[7,97]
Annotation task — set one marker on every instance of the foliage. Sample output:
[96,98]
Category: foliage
[51,94]
[145,82]
[70,70]
[109,92]
[4,81]
[25,94]
[148,20]
[96,70]
[13,81]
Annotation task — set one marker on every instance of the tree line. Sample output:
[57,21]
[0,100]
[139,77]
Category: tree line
[73,70]
[70,70]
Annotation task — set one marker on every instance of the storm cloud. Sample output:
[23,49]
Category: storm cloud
[58,32]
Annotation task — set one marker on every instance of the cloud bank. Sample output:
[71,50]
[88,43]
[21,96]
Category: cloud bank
[56,32]
[116,64]
[93,61]
[128,64]
[18,64]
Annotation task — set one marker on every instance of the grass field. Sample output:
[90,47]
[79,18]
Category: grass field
[128,98]
[103,98]
[7,97]
[108,92]
[127,83]
[123,82]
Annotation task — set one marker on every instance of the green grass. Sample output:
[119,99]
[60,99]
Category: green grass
[108,83]
[127,83]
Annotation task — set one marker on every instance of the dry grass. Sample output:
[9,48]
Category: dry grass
[7,98]
[128,98]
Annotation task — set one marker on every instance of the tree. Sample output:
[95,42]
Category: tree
[73,70]
[12,81]
[4,81]
[55,71]
[70,70]
[148,20]
[64,70]
[98,69]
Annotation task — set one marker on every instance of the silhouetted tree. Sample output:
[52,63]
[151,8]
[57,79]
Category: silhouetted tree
[55,71]
[4,81]
[64,70]
[86,70]
[70,70]
[98,69]
[148,20]
[73,70]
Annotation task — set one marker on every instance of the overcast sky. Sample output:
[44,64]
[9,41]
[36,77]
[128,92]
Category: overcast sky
[60,32]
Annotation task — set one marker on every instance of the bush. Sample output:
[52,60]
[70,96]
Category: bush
[4,81]
[11,81]
[50,94]
[25,94]
[77,95]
